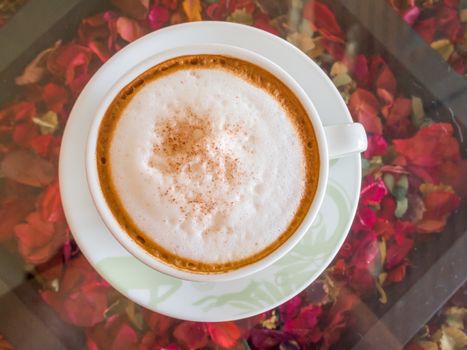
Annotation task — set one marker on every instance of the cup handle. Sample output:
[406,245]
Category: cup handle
[345,139]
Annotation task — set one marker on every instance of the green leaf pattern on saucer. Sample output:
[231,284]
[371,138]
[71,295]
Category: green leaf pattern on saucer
[291,272]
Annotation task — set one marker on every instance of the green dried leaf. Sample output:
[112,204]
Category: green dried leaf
[428,345]
[303,41]
[452,339]
[117,307]
[48,122]
[418,113]
[389,181]
[455,316]
[338,68]
[463,11]
[401,207]
[403,182]
[342,80]
[400,190]
[135,315]
[241,16]
[444,48]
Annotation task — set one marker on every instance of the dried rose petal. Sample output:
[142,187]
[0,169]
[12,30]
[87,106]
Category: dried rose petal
[262,21]
[41,144]
[225,334]
[439,205]
[366,252]
[18,111]
[383,79]
[373,191]
[431,146]
[217,10]
[55,97]
[24,133]
[396,251]
[364,108]
[158,16]
[291,308]
[397,274]
[27,168]
[82,297]
[12,211]
[129,29]
[410,15]
[377,146]
[137,9]
[50,204]
[114,333]
[398,122]
[266,339]
[38,240]
[303,326]
[323,20]
[426,28]
[192,335]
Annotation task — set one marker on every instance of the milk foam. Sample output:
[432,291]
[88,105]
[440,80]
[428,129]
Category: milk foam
[208,165]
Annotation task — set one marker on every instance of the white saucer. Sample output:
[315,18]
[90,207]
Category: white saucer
[209,301]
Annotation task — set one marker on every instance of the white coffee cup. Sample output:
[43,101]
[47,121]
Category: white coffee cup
[333,141]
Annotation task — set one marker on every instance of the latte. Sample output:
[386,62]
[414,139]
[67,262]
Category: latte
[208,162]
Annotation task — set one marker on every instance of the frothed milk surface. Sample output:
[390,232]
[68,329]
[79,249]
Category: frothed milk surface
[208,165]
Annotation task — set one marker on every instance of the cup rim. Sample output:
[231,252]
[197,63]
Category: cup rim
[119,233]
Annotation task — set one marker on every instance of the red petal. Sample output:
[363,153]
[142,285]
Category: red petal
[262,21]
[398,121]
[157,322]
[18,111]
[431,146]
[383,77]
[397,274]
[323,20]
[397,251]
[360,70]
[303,326]
[135,8]
[225,334]
[373,191]
[366,252]
[69,61]
[24,133]
[426,29]
[217,10]
[38,240]
[291,308]
[377,146]
[439,205]
[411,15]
[192,335]
[41,144]
[366,218]
[158,17]
[364,108]
[454,174]
[27,168]
[126,338]
[50,204]
[55,97]
[86,307]
[12,211]
[129,29]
